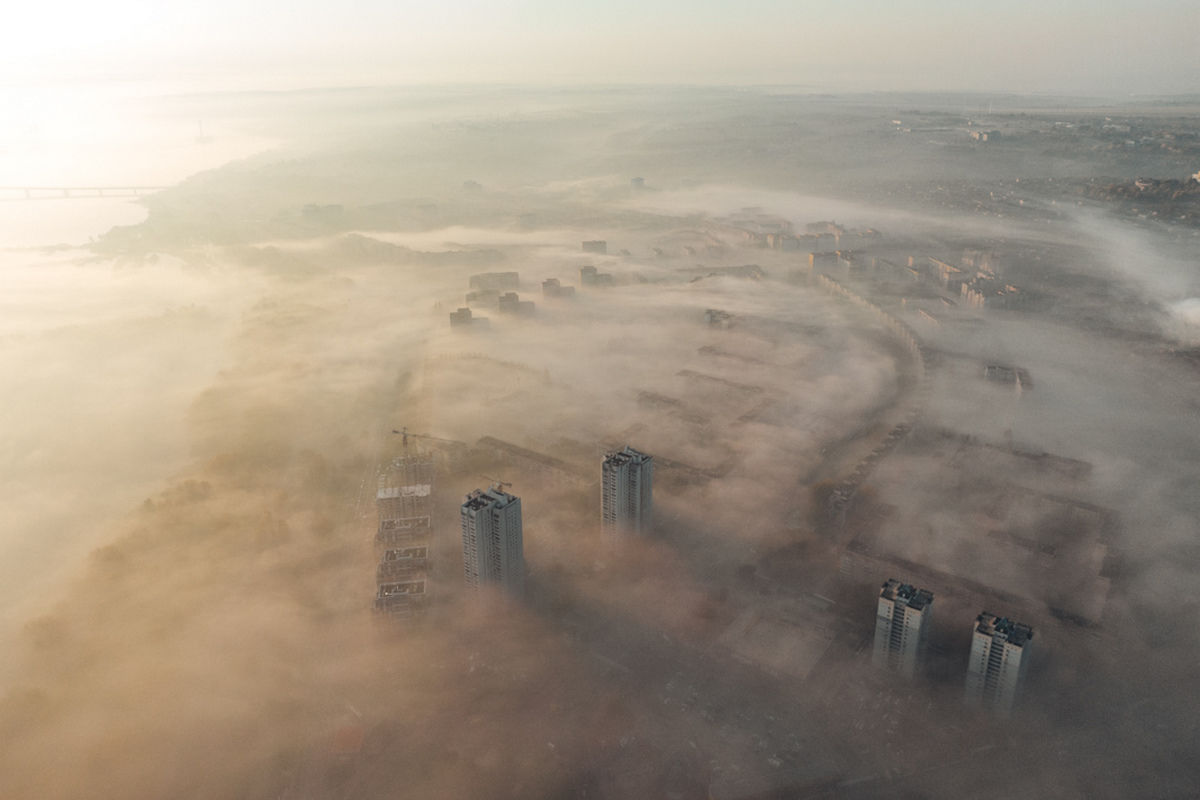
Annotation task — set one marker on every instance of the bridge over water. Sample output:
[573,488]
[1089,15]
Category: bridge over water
[73,192]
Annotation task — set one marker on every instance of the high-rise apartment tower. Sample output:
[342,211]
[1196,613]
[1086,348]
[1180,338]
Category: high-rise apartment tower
[999,659]
[901,620]
[626,491]
[492,546]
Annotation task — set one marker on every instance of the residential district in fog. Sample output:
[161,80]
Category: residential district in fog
[610,443]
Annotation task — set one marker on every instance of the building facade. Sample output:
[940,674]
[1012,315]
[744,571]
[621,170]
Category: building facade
[493,551]
[627,491]
[999,660]
[901,622]
[403,500]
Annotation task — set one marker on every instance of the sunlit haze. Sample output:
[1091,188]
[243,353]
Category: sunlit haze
[1099,48]
[534,400]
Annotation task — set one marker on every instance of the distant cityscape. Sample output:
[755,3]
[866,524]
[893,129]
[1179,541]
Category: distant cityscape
[834,256]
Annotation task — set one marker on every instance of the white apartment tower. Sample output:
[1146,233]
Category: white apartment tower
[999,658]
[492,545]
[901,620]
[626,491]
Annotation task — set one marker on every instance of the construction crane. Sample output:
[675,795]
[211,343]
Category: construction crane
[403,432]
[496,482]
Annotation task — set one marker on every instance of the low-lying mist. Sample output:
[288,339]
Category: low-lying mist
[199,405]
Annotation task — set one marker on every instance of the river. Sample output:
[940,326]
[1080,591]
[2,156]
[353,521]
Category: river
[99,361]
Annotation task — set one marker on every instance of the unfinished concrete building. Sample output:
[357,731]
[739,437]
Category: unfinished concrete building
[403,499]
[404,597]
[401,562]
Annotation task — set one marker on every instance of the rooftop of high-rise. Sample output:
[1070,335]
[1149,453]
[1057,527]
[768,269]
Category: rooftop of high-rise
[915,598]
[482,498]
[624,455]
[1015,633]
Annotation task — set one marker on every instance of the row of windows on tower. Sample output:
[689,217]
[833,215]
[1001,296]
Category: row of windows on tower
[999,647]
[493,547]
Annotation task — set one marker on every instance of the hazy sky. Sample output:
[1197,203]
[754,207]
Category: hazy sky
[1017,45]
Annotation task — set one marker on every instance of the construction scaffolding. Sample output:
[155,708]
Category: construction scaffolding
[404,502]
[404,598]
[401,562]
[404,498]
